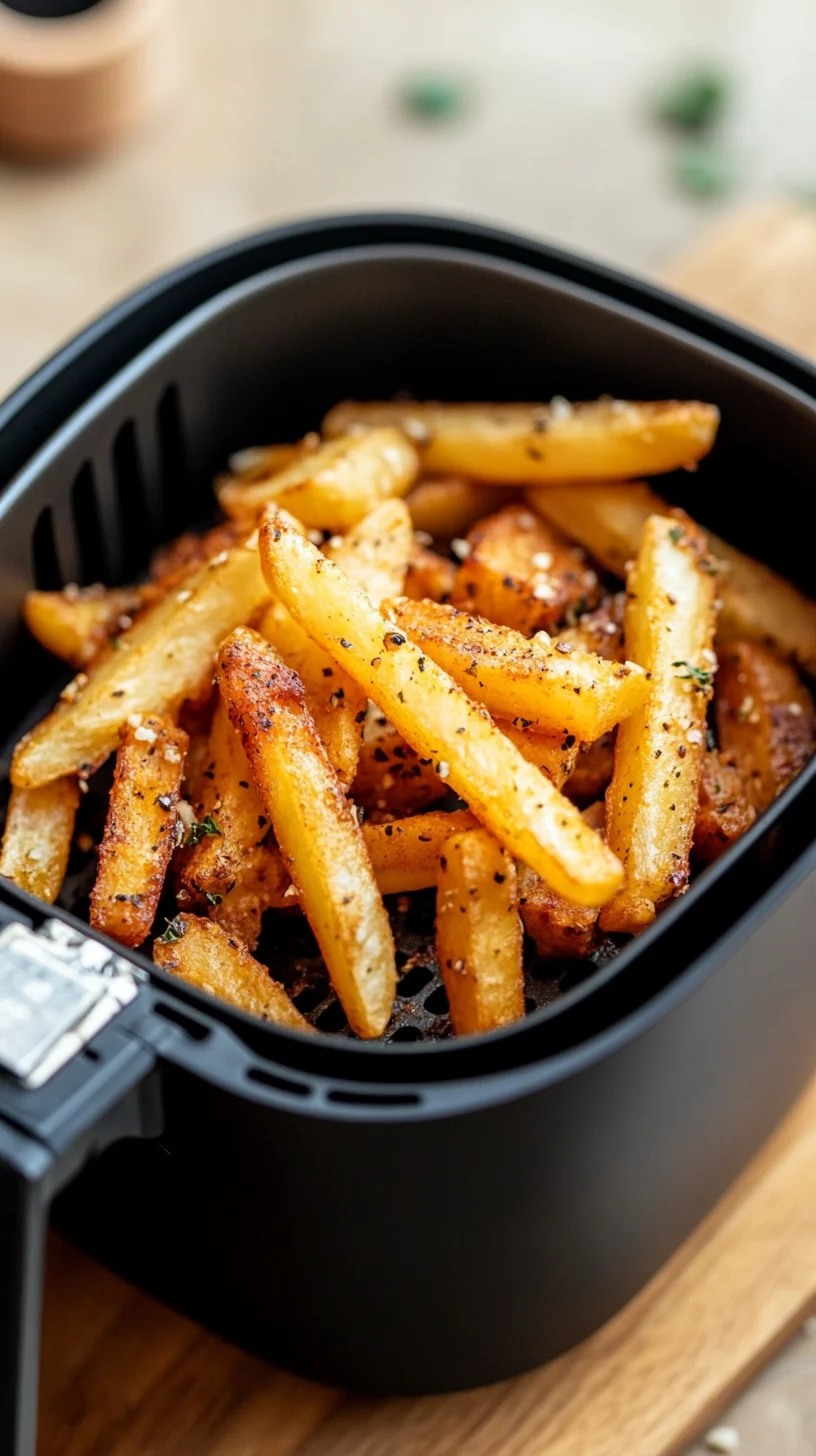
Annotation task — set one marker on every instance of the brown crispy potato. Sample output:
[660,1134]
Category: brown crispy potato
[140,830]
[765,719]
[172,565]
[429,575]
[392,778]
[542,685]
[166,657]
[204,956]
[599,631]
[592,773]
[76,624]
[376,552]
[261,885]
[554,753]
[538,443]
[336,486]
[478,933]
[37,837]
[334,700]
[757,603]
[446,507]
[723,811]
[230,800]
[522,573]
[510,796]
[652,801]
[316,828]
[559,928]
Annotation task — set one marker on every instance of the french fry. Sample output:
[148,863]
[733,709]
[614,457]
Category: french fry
[599,631]
[375,553]
[166,657]
[334,700]
[757,603]
[507,794]
[559,929]
[537,683]
[316,828]
[446,507]
[723,811]
[140,830]
[522,573]
[405,854]
[652,801]
[478,933]
[336,486]
[230,802]
[765,719]
[258,462]
[37,837]
[592,774]
[555,754]
[262,884]
[76,624]
[429,575]
[204,956]
[391,776]
[537,443]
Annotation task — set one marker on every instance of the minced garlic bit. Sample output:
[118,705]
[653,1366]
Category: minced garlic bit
[134,720]
[186,813]
[417,431]
[542,639]
[560,408]
[172,754]
[694,735]
[723,1439]
[795,709]
[315,536]
[443,769]
[461,549]
[542,560]
[146,735]
[335,541]
[221,558]
[543,592]
[183,596]
[708,656]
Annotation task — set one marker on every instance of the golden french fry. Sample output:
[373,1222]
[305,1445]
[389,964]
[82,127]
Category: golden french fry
[429,575]
[172,565]
[446,507]
[202,954]
[478,933]
[538,683]
[262,885]
[522,573]
[765,719]
[334,487]
[538,443]
[554,753]
[315,826]
[507,794]
[334,700]
[405,855]
[166,657]
[37,837]
[651,803]
[723,810]
[76,624]
[391,776]
[230,803]
[376,552]
[757,603]
[560,929]
[140,830]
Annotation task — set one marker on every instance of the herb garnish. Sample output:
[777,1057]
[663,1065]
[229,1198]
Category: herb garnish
[212,898]
[700,676]
[676,534]
[175,930]
[199,829]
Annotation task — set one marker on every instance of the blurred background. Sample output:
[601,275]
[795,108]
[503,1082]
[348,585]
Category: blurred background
[545,116]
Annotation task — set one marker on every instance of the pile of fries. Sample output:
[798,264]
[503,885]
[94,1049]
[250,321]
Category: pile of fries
[451,647]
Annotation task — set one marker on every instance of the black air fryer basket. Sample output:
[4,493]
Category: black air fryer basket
[424,1215]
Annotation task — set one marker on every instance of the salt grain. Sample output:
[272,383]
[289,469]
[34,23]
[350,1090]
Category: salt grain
[183,596]
[417,431]
[542,639]
[694,735]
[135,720]
[542,560]
[461,549]
[145,735]
[443,769]
[172,754]
[795,709]
[542,592]
[560,408]
[335,541]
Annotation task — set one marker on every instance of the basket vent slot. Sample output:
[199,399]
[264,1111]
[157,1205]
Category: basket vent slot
[196,1030]
[132,510]
[173,461]
[375,1099]
[45,562]
[88,527]
[280,1084]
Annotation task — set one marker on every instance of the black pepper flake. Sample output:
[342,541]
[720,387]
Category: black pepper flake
[389,830]
[424,838]
[568,741]
[344,642]
[243,784]
[361,716]
[421,664]
[328,672]
[681,752]
[380,755]
[500,879]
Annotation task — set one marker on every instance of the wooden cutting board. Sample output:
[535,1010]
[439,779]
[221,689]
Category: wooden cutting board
[123,1376]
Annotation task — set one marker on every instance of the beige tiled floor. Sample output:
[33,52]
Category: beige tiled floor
[287,107]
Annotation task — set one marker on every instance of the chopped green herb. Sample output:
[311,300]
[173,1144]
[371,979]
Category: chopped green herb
[116,643]
[700,676]
[211,897]
[694,99]
[175,930]
[200,829]
[711,743]
[676,534]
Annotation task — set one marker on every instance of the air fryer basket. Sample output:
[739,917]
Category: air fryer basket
[560,1161]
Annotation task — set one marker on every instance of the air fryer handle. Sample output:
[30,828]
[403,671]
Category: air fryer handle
[45,1138]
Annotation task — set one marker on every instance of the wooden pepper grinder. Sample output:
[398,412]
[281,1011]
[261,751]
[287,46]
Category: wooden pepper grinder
[77,75]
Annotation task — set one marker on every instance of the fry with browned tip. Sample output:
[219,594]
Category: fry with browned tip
[507,794]
[205,956]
